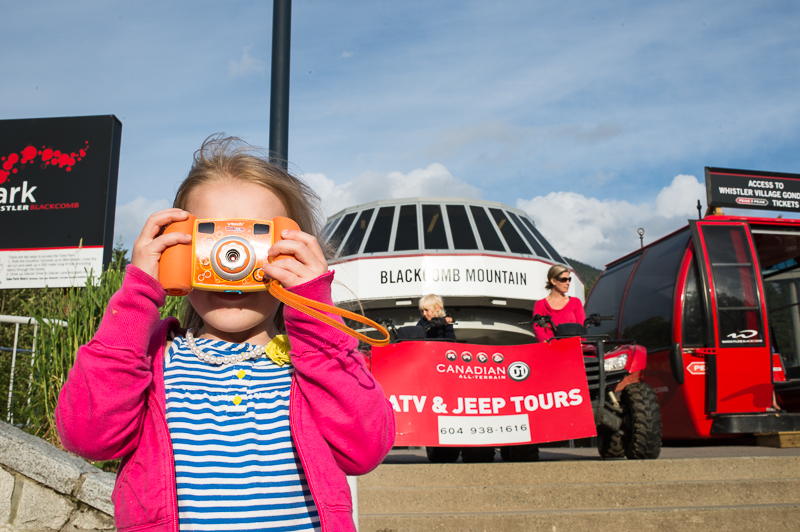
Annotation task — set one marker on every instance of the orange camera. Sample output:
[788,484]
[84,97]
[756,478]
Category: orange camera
[225,255]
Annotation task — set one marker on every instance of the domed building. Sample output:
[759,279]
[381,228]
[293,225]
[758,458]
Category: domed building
[486,259]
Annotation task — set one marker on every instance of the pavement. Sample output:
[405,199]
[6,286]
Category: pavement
[416,455]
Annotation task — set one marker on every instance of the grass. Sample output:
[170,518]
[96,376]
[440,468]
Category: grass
[38,377]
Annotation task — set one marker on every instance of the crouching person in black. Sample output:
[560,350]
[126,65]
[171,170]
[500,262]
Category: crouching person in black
[436,322]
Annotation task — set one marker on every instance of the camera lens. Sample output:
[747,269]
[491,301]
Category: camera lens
[233,258]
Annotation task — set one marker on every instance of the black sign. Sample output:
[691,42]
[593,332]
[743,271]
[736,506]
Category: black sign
[750,189]
[58,182]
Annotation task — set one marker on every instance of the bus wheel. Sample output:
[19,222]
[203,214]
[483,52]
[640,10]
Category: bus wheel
[477,455]
[442,455]
[642,433]
[609,443]
[520,453]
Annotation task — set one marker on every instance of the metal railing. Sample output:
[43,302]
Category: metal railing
[17,321]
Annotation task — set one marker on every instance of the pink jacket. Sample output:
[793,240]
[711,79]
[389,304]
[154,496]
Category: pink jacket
[113,406]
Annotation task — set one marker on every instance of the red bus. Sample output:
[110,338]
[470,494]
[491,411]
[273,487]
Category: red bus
[716,305]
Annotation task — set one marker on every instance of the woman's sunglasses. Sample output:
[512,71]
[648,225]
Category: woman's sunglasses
[564,279]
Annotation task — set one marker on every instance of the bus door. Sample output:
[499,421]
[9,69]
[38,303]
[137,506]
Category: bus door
[738,364]
[778,249]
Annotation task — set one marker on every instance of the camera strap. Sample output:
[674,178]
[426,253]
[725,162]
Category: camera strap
[313,308]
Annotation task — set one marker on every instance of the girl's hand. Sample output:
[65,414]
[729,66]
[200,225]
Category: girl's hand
[151,243]
[308,261]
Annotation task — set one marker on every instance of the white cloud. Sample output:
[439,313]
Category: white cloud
[680,197]
[347,54]
[433,181]
[130,218]
[246,65]
[598,231]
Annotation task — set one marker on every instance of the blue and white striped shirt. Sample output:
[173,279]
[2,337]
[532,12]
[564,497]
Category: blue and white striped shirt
[236,467]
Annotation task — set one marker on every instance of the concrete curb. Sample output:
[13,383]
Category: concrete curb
[48,467]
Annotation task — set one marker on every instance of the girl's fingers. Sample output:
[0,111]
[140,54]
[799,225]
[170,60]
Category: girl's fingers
[157,221]
[290,235]
[300,252]
[158,245]
[282,271]
[147,249]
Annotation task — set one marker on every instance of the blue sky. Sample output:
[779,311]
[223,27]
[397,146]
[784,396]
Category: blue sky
[595,117]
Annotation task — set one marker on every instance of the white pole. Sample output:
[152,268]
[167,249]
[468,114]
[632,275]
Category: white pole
[353,483]
[10,415]
[33,359]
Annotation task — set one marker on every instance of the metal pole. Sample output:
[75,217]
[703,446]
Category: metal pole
[279,90]
[33,360]
[10,414]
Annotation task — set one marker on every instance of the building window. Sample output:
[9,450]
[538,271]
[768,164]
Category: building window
[514,241]
[342,230]
[406,236]
[378,240]
[460,228]
[489,238]
[433,227]
[357,234]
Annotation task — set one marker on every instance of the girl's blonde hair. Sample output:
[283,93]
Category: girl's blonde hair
[430,301]
[553,273]
[221,159]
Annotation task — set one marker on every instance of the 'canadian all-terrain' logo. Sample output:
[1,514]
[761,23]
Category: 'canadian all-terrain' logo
[460,365]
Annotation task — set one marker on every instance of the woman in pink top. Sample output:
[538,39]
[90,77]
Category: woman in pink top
[558,305]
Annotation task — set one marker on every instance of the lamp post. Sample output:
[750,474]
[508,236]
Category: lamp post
[279,89]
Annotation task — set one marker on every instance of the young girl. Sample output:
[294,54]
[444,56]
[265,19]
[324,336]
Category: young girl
[432,306]
[228,425]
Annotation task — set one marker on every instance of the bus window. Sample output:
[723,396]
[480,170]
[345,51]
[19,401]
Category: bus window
[647,314]
[694,323]
[460,228]
[433,227]
[406,237]
[733,272]
[378,240]
[357,234]
[606,296]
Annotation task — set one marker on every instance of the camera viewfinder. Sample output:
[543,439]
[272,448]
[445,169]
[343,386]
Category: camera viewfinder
[260,229]
[206,228]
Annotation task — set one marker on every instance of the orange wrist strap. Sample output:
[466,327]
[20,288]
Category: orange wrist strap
[308,306]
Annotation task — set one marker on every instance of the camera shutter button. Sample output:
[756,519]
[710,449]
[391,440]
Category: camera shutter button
[258,275]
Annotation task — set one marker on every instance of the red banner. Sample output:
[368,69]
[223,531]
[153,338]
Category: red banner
[448,394]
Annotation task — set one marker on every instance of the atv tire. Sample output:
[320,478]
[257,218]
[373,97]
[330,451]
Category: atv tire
[442,455]
[641,432]
[477,455]
[609,443]
[520,453]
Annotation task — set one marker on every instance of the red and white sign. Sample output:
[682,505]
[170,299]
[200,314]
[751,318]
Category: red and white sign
[696,368]
[449,394]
